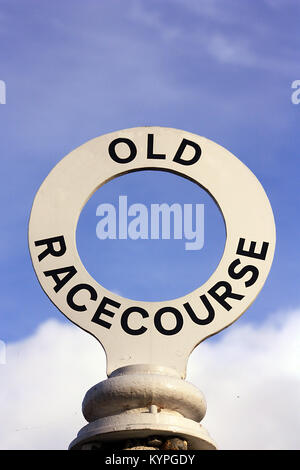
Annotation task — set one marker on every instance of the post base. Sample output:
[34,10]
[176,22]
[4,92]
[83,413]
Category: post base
[141,402]
[136,425]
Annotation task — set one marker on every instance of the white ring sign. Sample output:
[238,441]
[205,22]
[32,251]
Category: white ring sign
[157,333]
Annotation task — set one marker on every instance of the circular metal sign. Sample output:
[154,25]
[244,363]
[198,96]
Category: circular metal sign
[156,333]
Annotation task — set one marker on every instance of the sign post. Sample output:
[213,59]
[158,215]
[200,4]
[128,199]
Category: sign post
[148,344]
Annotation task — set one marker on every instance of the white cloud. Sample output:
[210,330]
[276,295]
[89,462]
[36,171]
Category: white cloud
[43,384]
[250,378]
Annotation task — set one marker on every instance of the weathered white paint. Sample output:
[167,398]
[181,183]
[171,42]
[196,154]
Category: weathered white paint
[137,402]
[56,209]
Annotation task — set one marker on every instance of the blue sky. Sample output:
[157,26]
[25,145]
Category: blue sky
[75,70]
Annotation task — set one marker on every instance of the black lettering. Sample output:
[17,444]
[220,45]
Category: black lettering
[113,154]
[73,292]
[101,309]
[150,154]
[181,149]
[227,294]
[124,320]
[209,308]
[158,324]
[60,282]
[251,252]
[246,269]
[50,250]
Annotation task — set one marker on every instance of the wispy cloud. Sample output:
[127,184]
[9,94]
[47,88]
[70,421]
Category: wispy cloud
[231,32]
[226,50]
